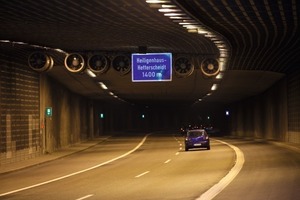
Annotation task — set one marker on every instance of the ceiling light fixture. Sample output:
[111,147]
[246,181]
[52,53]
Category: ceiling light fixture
[189,26]
[103,86]
[179,17]
[219,76]
[168,6]
[214,87]
[202,32]
[193,30]
[220,45]
[168,10]
[222,64]
[218,42]
[158,1]
[173,14]
[90,73]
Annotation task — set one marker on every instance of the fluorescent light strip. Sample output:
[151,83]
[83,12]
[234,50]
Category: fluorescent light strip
[168,6]
[173,14]
[193,30]
[192,26]
[90,73]
[219,76]
[214,87]
[188,23]
[189,26]
[103,86]
[168,10]
[157,1]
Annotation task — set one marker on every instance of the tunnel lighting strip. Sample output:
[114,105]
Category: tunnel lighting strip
[103,86]
[178,16]
[87,71]
[79,172]
[220,75]
[214,87]
[90,73]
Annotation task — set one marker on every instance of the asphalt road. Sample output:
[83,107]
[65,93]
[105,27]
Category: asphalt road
[157,167]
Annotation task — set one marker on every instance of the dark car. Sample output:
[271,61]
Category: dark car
[197,138]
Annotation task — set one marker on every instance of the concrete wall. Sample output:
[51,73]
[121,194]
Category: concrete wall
[25,131]
[70,120]
[273,115]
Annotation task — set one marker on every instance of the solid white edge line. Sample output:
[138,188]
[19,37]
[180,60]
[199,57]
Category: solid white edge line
[224,182]
[79,172]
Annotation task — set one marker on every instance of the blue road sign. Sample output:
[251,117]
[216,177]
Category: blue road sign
[151,67]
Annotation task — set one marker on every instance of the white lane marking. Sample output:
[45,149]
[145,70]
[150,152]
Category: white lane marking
[224,182]
[79,172]
[167,161]
[177,153]
[85,197]
[142,174]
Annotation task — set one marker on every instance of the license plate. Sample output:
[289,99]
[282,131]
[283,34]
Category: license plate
[197,144]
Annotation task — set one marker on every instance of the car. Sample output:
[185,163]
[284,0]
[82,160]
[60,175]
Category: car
[197,138]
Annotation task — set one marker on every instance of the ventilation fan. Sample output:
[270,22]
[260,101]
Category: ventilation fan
[210,67]
[74,62]
[183,67]
[40,62]
[98,63]
[122,64]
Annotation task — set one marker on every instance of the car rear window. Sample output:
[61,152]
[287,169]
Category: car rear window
[196,133]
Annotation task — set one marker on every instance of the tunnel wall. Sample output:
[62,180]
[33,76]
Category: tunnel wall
[118,117]
[293,89]
[25,131]
[70,120]
[122,116]
[272,115]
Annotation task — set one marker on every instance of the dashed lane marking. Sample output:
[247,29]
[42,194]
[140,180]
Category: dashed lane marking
[85,197]
[142,174]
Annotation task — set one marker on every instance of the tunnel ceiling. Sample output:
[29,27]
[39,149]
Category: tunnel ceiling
[261,37]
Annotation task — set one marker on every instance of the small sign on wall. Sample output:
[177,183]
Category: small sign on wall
[48,111]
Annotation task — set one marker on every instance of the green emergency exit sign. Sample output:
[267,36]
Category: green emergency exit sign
[48,111]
